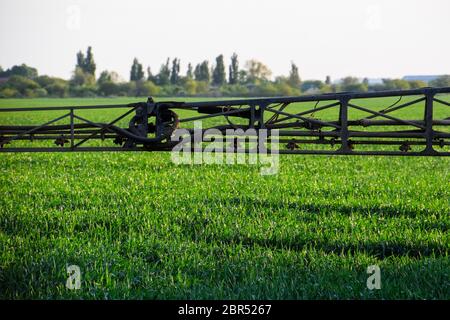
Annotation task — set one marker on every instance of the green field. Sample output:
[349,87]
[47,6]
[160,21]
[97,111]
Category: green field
[139,226]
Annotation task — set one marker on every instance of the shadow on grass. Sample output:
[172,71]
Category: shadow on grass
[379,250]
[376,210]
[195,224]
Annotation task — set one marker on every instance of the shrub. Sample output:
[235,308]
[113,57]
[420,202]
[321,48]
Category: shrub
[9,93]
[191,87]
[108,88]
[83,91]
[55,87]
[21,84]
[147,88]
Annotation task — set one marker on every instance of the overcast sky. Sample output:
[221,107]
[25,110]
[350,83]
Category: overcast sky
[323,37]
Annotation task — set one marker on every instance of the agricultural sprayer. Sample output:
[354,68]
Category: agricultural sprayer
[402,122]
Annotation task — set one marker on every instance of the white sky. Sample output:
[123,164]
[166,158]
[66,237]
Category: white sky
[372,38]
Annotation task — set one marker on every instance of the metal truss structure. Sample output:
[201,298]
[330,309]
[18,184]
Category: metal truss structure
[336,123]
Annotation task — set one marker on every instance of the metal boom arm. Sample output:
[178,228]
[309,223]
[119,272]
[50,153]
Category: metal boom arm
[338,123]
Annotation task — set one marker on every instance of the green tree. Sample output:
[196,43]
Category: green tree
[219,76]
[442,81]
[9,93]
[175,74]
[82,84]
[294,78]
[396,84]
[147,88]
[150,76]
[89,62]
[311,85]
[137,71]
[83,81]
[80,61]
[104,77]
[204,71]
[22,70]
[78,77]
[284,88]
[202,87]
[108,88]
[233,74]
[44,80]
[163,77]
[235,90]
[257,71]
[55,87]
[265,89]
[58,88]
[197,72]
[108,83]
[81,78]
[191,87]
[416,84]
[127,88]
[21,83]
[201,72]
[190,72]
[242,76]
[24,86]
[86,63]
[352,84]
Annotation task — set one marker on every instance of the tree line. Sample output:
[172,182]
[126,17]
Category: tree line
[203,79]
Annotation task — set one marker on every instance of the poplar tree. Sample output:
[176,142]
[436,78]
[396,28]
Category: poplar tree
[233,74]
[219,76]
[294,78]
[137,71]
[175,74]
